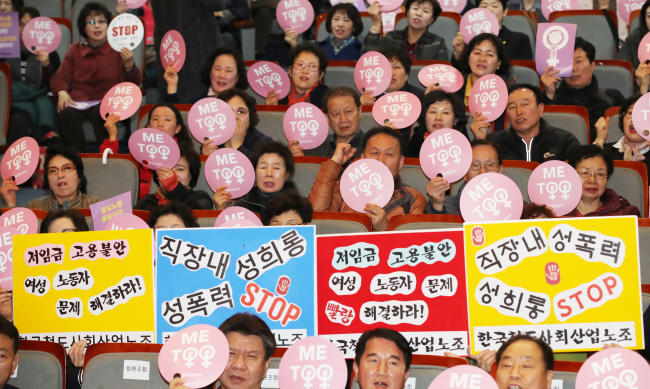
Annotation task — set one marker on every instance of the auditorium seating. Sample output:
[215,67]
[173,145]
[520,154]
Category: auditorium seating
[331,223]
[119,175]
[592,26]
[525,72]
[306,170]
[340,73]
[445,26]
[615,74]
[516,21]
[614,133]
[644,250]
[630,180]
[41,365]
[49,8]
[66,35]
[424,222]
[571,118]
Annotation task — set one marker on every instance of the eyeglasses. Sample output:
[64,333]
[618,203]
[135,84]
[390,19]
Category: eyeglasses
[300,66]
[70,230]
[586,173]
[67,168]
[93,22]
[489,166]
[241,112]
[348,112]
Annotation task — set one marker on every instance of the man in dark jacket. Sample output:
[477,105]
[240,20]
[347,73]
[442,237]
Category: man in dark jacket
[516,43]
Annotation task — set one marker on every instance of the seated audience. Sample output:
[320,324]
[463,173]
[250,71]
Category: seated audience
[247,138]
[274,170]
[595,167]
[178,184]
[440,109]
[9,344]
[416,39]
[524,361]
[63,220]
[234,10]
[89,70]
[308,63]
[382,358]
[630,49]
[400,63]
[172,215]
[534,211]
[517,44]
[581,88]
[223,70]
[380,143]
[289,209]
[150,79]
[530,137]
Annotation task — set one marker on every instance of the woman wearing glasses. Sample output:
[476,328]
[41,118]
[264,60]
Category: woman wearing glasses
[594,167]
[90,69]
[308,63]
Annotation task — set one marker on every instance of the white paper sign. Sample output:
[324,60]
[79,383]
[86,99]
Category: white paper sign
[557,384]
[136,370]
[271,380]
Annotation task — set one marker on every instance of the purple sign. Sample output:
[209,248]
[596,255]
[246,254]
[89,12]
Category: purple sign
[555,43]
[9,35]
[104,211]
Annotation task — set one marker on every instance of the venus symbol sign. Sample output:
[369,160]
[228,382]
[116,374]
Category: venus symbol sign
[491,197]
[625,8]
[477,21]
[373,72]
[641,116]
[400,108]
[20,160]
[172,50]
[447,152]
[266,76]
[154,148]
[556,48]
[448,77]
[490,96]
[305,123]
[123,99]
[614,368]
[366,181]
[41,34]
[549,6]
[211,118]
[231,168]
[312,363]
[297,15]
[557,185]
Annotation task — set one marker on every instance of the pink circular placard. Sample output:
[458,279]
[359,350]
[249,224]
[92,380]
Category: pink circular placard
[213,119]
[123,99]
[307,124]
[373,72]
[236,223]
[22,219]
[557,185]
[313,361]
[154,148]
[641,116]
[126,221]
[172,50]
[490,96]
[447,152]
[42,34]
[198,353]
[477,21]
[549,6]
[231,168]
[614,368]
[625,8]
[644,48]
[133,4]
[125,30]
[20,160]
[401,108]
[475,377]
[7,256]
[366,181]
[264,77]
[491,197]
[447,76]
[297,15]
[237,213]
[456,6]
[387,5]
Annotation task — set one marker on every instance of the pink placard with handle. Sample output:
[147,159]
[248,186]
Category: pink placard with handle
[448,77]
[644,48]
[41,34]
[231,168]
[625,8]
[126,221]
[7,257]
[549,6]
[154,148]
[373,72]
[490,96]
[474,377]
[125,30]
[453,5]
[123,99]
[641,116]
[388,20]
[297,15]
[401,108]
[237,213]
[491,197]
[555,46]
[387,5]
[307,124]
[555,184]
[614,368]
[477,21]
[366,181]
[198,353]
[447,152]
[264,77]
[172,50]
[134,4]
[313,362]
[236,223]
[22,219]
[213,119]
[20,160]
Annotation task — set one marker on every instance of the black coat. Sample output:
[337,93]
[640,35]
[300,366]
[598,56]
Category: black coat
[429,46]
[195,199]
[517,44]
[255,200]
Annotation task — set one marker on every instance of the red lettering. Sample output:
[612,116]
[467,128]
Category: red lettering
[134,29]
[275,304]
[115,31]
[266,294]
[600,293]
[251,289]
[561,304]
[575,296]
[293,313]
[609,286]
[128,30]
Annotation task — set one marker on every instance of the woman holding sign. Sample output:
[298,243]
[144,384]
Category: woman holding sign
[629,51]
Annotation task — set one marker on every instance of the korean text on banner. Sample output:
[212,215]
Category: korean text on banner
[92,285]
[412,282]
[573,282]
[266,271]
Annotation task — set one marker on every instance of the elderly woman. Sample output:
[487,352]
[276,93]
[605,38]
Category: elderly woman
[400,64]
[289,209]
[594,167]
[89,70]
[64,220]
[172,215]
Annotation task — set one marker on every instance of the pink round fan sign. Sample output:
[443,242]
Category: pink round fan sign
[313,361]
[198,353]
[133,4]
[126,221]
[237,213]
[614,368]
[641,116]
[231,168]
[213,119]
[20,160]
[297,15]
[475,377]
[447,76]
[387,5]
[123,99]
[366,181]
[456,6]
[644,48]
[491,197]
[490,96]
[373,72]
[477,21]
[172,50]
[557,185]
[22,219]
[235,223]
[307,124]
[447,152]
[42,34]
[7,257]
[264,77]
[154,149]
[400,108]
[625,8]
[549,6]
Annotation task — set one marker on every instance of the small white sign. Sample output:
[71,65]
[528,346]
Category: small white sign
[271,381]
[410,383]
[136,370]
[557,384]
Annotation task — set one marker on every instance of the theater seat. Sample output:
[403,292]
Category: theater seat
[340,73]
[119,175]
[271,118]
[306,170]
[517,21]
[49,8]
[573,119]
[413,176]
[66,35]
[424,222]
[615,74]
[614,133]
[593,27]
[525,72]
[630,180]
[333,223]
[644,249]
[41,365]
